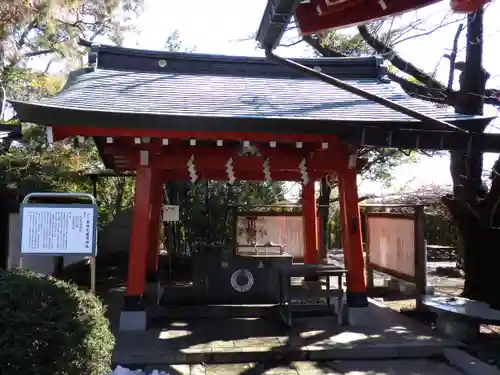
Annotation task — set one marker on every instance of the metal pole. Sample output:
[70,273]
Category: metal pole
[92,275]
[362,93]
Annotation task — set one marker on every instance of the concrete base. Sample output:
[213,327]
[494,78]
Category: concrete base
[358,316]
[457,329]
[133,320]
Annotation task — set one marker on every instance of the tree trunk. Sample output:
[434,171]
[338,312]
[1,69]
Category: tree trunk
[474,209]
[470,207]
[481,257]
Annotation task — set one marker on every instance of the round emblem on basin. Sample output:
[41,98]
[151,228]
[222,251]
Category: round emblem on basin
[242,280]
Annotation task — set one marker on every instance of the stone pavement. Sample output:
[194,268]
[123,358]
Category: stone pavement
[392,367]
[386,335]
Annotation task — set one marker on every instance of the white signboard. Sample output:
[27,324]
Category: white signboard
[170,213]
[52,229]
[287,230]
[391,243]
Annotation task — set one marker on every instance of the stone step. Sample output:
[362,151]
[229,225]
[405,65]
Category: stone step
[212,311]
[264,354]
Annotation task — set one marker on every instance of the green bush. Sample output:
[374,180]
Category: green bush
[50,327]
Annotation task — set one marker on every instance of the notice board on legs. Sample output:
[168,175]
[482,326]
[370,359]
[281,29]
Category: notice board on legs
[279,228]
[391,244]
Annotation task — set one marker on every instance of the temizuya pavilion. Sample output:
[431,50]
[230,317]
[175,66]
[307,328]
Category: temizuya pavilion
[170,116]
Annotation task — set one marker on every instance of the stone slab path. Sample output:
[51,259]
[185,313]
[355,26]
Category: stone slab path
[392,367]
[387,335]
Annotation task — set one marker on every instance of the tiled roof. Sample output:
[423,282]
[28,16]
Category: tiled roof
[9,131]
[124,82]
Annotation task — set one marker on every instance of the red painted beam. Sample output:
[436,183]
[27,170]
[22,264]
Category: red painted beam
[351,233]
[315,15]
[219,175]
[284,150]
[326,160]
[62,132]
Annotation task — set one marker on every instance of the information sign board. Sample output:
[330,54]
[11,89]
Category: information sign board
[58,229]
[170,213]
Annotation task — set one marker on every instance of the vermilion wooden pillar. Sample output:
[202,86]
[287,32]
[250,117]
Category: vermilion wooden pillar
[344,238]
[154,227]
[139,239]
[352,240]
[310,223]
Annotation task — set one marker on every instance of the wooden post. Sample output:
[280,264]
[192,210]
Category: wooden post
[139,240]
[370,284]
[310,223]
[352,236]
[420,255]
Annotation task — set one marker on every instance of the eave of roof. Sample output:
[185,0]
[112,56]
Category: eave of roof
[181,91]
[10,131]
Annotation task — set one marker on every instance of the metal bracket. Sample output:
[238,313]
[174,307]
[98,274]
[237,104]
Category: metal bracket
[362,93]
[27,198]
[277,18]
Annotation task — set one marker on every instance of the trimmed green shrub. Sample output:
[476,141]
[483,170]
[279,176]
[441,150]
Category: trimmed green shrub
[50,327]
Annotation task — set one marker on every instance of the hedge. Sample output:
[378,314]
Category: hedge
[50,327]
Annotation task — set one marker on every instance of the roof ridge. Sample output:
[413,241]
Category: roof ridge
[132,59]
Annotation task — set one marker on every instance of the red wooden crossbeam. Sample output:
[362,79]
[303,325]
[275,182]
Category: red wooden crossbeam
[220,175]
[217,157]
[318,15]
[61,132]
[467,6]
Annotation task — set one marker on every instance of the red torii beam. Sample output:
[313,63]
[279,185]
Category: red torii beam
[322,160]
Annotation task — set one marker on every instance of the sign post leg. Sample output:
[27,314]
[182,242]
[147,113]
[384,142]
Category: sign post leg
[92,275]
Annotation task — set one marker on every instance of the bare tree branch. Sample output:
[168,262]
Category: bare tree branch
[438,92]
[292,43]
[429,32]
[400,63]
[38,53]
[453,57]
[316,44]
